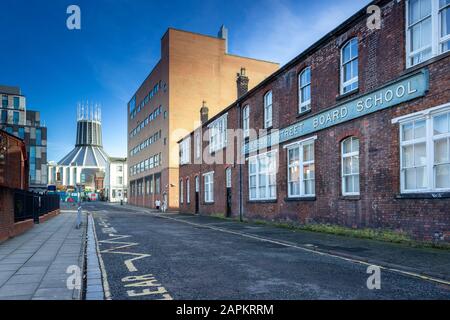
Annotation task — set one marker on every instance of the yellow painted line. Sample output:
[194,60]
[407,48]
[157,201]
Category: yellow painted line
[106,290]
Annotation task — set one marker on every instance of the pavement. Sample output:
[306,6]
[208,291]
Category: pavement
[161,257]
[39,264]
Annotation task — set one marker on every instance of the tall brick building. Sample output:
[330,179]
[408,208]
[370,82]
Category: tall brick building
[354,131]
[193,68]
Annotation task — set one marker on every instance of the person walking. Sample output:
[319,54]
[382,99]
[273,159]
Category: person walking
[157,204]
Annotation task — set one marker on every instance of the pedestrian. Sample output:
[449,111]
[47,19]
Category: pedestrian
[164,206]
[157,204]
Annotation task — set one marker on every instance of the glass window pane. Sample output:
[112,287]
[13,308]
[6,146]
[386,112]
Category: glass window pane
[355,165]
[410,179]
[294,174]
[441,124]
[441,151]
[354,68]
[253,193]
[308,152]
[348,72]
[348,184]
[442,176]
[347,146]
[420,154]
[407,131]
[356,183]
[308,172]
[445,22]
[408,159]
[354,48]
[293,156]
[294,188]
[421,178]
[419,129]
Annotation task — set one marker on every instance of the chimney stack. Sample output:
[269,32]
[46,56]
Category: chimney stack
[223,34]
[242,83]
[204,113]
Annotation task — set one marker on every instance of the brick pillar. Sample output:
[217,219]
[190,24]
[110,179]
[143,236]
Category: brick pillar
[242,83]
[6,213]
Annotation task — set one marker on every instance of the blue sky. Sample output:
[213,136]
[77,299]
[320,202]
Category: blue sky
[119,44]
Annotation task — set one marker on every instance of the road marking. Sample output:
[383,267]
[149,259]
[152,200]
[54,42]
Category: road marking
[106,290]
[243,234]
[149,283]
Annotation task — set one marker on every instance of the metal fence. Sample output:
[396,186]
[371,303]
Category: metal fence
[30,205]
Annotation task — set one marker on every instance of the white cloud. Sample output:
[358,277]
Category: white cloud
[279,31]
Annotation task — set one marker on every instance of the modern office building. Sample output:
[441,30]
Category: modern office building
[354,131]
[116,180]
[16,119]
[193,69]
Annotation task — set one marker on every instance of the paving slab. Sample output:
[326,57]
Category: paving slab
[33,266]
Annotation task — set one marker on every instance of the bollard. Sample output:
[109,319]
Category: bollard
[121,202]
[79,217]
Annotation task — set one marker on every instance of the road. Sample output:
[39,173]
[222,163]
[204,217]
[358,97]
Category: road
[172,257]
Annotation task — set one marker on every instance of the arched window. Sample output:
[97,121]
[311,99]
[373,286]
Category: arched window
[228,177]
[304,90]
[188,191]
[246,121]
[350,166]
[181,191]
[197,184]
[268,110]
[349,66]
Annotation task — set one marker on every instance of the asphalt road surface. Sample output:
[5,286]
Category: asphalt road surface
[151,257]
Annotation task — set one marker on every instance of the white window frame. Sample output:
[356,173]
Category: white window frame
[208,183]
[300,145]
[268,109]
[268,173]
[427,115]
[181,192]
[246,121]
[306,105]
[350,155]
[436,40]
[188,191]
[354,79]
[198,145]
[185,151]
[218,137]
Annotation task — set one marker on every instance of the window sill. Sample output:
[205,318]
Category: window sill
[262,201]
[350,198]
[348,94]
[427,62]
[208,203]
[304,113]
[424,195]
[300,199]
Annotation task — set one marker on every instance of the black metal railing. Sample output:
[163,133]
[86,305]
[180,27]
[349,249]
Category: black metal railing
[30,205]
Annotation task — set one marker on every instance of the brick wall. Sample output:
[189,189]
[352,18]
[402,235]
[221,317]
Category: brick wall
[381,60]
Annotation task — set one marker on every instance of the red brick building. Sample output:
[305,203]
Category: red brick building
[354,131]
[13,162]
[13,175]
